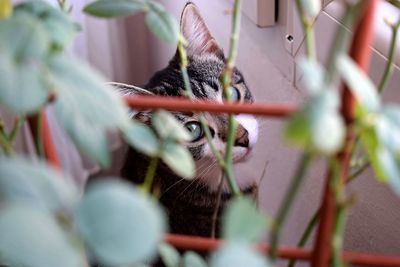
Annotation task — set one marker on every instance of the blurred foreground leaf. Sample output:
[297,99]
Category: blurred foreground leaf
[120,224]
[318,126]
[86,107]
[238,255]
[32,238]
[115,8]
[36,184]
[59,25]
[179,159]
[243,222]
[161,23]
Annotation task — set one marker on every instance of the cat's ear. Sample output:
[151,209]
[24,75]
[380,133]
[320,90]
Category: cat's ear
[195,31]
[127,89]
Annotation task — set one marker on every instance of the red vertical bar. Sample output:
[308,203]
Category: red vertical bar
[360,52]
[50,151]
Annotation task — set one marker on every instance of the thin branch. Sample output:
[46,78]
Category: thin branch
[17,125]
[307,24]
[392,52]
[289,198]
[217,206]
[149,178]
[226,79]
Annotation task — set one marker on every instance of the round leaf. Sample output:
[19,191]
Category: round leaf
[359,83]
[33,238]
[86,107]
[141,137]
[179,159]
[121,225]
[161,23]
[168,127]
[307,129]
[22,89]
[313,76]
[37,184]
[24,37]
[238,255]
[115,8]
[169,255]
[59,25]
[191,259]
[311,7]
[391,168]
[243,222]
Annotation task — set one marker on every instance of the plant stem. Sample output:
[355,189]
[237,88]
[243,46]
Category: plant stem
[5,144]
[226,79]
[306,234]
[308,31]
[341,41]
[184,63]
[17,125]
[288,200]
[39,136]
[315,218]
[340,216]
[150,174]
[392,51]
[189,92]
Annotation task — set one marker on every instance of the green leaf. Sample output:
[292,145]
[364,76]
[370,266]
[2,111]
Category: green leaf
[168,127]
[192,259]
[359,83]
[5,9]
[86,107]
[161,23]
[390,163]
[141,137]
[179,159]
[120,224]
[169,255]
[22,87]
[243,222]
[24,38]
[115,8]
[308,127]
[59,25]
[37,184]
[388,128]
[311,7]
[23,46]
[313,76]
[371,144]
[32,238]
[238,255]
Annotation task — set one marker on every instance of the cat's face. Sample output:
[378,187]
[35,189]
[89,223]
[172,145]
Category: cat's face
[206,63]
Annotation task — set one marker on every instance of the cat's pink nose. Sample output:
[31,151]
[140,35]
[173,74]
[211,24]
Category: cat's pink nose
[243,139]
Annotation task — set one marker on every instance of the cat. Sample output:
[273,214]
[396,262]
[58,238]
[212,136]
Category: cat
[190,204]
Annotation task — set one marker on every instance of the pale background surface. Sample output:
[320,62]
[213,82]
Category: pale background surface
[123,50]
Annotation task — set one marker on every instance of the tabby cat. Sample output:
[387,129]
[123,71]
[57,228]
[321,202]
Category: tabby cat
[191,204]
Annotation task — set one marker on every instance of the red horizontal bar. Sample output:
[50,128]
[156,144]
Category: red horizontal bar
[182,104]
[202,244]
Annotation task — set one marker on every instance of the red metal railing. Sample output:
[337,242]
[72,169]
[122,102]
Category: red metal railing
[320,255]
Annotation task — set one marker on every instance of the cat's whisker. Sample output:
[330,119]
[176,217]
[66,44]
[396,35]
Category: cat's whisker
[172,186]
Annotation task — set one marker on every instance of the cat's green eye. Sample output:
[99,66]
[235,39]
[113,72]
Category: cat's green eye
[234,94]
[195,130]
